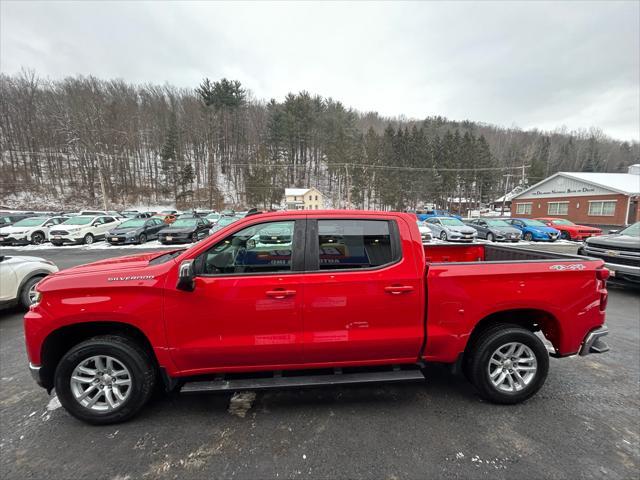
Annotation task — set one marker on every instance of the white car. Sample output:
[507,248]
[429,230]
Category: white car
[425,232]
[18,279]
[29,230]
[82,229]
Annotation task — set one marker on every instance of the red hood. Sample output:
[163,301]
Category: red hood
[110,264]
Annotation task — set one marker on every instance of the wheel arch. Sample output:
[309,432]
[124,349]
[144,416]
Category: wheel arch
[532,319]
[60,341]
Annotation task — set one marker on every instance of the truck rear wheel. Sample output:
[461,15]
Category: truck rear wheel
[508,364]
[105,379]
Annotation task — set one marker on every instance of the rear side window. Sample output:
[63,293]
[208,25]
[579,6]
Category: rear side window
[354,244]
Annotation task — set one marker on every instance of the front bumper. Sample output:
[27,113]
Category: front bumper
[60,240]
[172,239]
[14,240]
[116,240]
[593,342]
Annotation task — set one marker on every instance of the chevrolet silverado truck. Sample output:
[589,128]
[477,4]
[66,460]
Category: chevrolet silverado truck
[297,299]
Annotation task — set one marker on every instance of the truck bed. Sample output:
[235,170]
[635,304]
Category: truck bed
[467,283]
[479,252]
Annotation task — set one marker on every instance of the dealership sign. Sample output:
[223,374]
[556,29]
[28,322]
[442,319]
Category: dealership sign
[560,186]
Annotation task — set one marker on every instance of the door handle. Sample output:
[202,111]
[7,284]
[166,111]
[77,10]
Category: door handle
[280,293]
[398,289]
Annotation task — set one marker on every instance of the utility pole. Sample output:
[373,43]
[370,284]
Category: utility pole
[506,190]
[346,169]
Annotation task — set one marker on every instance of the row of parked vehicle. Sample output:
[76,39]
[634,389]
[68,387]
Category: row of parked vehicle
[454,229]
[117,228]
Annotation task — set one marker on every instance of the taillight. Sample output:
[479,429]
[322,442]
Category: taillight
[603,274]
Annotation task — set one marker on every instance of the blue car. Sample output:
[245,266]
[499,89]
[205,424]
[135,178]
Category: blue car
[422,216]
[533,230]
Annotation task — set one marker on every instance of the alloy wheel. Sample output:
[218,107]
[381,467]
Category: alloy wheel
[101,383]
[512,367]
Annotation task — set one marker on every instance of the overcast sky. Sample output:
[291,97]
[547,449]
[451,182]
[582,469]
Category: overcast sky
[529,64]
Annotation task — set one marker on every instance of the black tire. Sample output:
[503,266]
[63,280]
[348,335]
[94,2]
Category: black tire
[25,301]
[528,237]
[480,354]
[88,239]
[565,235]
[126,351]
[490,237]
[443,235]
[194,237]
[37,238]
[57,244]
[142,238]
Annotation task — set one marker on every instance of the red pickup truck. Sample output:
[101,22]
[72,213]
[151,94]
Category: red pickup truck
[294,299]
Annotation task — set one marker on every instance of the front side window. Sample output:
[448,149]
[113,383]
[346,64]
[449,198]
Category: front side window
[262,248]
[558,208]
[602,208]
[349,244]
[523,208]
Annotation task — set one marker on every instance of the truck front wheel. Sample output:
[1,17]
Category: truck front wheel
[105,379]
[508,364]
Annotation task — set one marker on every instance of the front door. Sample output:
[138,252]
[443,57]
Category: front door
[363,293]
[246,308]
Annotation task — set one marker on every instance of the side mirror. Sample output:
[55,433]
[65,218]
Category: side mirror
[186,277]
[614,231]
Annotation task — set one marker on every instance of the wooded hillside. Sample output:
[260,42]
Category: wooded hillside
[68,141]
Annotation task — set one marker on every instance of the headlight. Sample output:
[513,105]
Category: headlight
[131,234]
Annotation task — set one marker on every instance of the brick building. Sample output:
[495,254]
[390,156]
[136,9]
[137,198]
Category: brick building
[603,199]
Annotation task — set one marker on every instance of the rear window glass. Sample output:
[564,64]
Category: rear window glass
[347,244]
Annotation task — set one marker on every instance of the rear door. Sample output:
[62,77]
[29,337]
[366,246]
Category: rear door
[363,293]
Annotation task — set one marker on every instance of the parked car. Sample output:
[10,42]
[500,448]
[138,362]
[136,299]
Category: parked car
[135,230]
[82,229]
[451,229]
[129,213]
[33,230]
[495,230]
[188,318]
[18,278]
[8,219]
[144,214]
[436,213]
[93,212]
[185,230]
[213,218]
[425,232]
[167,212]
[569,230]
[620,251]
[223,222]
[534,230]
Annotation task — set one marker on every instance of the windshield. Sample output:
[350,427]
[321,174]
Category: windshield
[185,222]
[451,222]
[633,230]
[30,222]
[497,223]
[213,216]
[562,222]
[138,222]
[533,223]
[79,221]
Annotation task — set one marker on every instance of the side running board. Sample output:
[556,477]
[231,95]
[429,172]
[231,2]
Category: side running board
[302,381]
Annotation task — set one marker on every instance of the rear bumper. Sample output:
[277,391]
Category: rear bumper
[35,373]
[593,342]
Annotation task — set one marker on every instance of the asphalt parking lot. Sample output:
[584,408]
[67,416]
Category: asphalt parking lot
[585,423]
